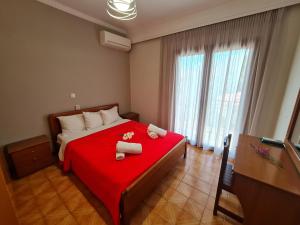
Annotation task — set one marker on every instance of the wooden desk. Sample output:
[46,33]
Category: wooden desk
[269,194]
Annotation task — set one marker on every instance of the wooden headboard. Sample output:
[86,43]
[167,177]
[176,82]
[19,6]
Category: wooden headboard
[54,123]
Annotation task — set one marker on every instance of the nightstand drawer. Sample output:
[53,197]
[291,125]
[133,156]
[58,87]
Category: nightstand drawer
[27,154]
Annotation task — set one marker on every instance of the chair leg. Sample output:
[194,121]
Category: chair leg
[219,192]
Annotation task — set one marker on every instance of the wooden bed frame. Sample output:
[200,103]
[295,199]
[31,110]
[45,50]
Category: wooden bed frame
[141,187]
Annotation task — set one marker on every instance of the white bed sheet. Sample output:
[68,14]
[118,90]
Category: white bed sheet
[64,139]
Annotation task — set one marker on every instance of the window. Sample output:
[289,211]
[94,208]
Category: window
[224,95]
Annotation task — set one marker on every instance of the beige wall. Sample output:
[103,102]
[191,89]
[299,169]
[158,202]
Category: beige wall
[44,55]
[290,96]
[144,75]
[144,79]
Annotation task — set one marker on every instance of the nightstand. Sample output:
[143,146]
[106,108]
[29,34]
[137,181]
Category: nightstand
[28,156]
[131,116]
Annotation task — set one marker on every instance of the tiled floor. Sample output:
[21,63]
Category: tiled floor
[186,196]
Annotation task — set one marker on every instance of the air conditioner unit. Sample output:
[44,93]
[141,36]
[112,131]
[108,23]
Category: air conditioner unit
[114,41]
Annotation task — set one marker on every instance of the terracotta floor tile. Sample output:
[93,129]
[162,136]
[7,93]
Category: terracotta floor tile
[161,189]
[186,218]
[46,196]
[54,206]
[22,197]
[33,217]
[19,188]
[178,174]
[40,186]
[40,221]
[149,218]
[60,220]
[79,205]
[175,197]
[141,215]
[171,181]
[91,218]
[154,199]
[26,208]
[194,208]
[199,197]
[196,183]
[70,193]
[213,191]
[185,189]
[155,219]
[209,219]
[61,183]
[168,212]
[199,174]
[210,203]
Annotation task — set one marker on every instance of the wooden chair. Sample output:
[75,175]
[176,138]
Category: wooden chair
[225,181]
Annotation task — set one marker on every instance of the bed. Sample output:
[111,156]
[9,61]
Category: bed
[82,159]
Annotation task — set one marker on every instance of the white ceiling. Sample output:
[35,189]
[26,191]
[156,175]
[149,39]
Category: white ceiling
[161,17]
[149,11]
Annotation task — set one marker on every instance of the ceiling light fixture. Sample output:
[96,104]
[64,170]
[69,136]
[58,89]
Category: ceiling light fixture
[122,9]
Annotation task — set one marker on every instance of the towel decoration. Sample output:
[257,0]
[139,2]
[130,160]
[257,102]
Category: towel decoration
[132,148]
[120,155]
[136,148]
[154,131]
[128,135]
[152,134]
[124,147]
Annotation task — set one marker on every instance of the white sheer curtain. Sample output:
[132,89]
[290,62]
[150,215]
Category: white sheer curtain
[229,76]
[189,73]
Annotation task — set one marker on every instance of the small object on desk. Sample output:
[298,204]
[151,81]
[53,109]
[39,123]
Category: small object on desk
[131,116]
[28,156]
[265,153]
[270,141]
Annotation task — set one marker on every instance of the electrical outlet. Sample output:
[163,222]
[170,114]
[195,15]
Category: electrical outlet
[77,107]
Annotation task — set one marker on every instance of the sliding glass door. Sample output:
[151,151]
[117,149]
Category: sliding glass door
[224,95]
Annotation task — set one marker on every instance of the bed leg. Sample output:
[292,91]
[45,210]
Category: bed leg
[125,221]
[185,150]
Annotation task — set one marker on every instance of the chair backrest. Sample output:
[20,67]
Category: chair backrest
[227,141]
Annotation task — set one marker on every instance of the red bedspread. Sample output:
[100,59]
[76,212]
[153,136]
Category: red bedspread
[92,159]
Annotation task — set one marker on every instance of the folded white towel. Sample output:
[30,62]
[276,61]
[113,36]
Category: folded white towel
[125,147]
[161,132]
[152,134]
[120,156]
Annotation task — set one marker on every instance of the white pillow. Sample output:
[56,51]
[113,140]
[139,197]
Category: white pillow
[74,123]
[111,115]
[92,120]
